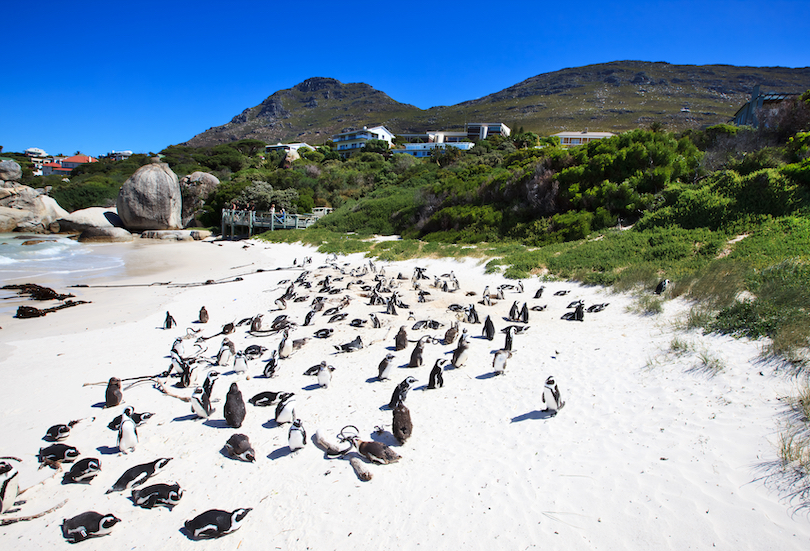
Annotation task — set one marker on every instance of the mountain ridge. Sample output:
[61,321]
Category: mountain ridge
[613,96]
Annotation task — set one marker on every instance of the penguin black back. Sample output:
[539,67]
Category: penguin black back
[234,410]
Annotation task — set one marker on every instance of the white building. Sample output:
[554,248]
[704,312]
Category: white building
[347,143]
[571,139]
[38,158]
[119,155]
[288,147]
[482,130]
[426,149]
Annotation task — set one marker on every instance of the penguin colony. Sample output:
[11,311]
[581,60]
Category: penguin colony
[315,299]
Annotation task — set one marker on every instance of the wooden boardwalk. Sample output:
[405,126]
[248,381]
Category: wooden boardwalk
[258,222]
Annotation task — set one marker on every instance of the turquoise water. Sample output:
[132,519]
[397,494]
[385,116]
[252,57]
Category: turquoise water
[51,261]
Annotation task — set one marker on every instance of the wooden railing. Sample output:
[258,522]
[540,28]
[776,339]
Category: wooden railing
[255,221]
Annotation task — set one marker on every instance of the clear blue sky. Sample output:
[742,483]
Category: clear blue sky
[101,76]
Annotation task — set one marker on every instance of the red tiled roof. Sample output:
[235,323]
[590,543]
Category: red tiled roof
[79,159]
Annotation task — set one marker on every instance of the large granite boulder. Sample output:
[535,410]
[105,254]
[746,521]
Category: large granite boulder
[93,217]
[10,171]
[105,235]
[150,199]
[195,189]
[23,208]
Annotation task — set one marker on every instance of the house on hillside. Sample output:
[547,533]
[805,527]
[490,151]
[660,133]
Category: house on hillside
[119,155]
[350,142]
[750,113]
[422,145]
[571,139]
[482,130]
[64,165]
[288,147]
[38,158]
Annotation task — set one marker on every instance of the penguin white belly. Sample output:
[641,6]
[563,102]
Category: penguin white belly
[295,440]
[286,413]
[285,349]
[225,357]
[9,488]
[240,365]
[127,436]
[387,370]
[324,377]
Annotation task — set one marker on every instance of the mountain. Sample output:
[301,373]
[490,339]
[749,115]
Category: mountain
[615,96]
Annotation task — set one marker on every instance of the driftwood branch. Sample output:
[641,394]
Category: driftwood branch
[7,521]
[160,387]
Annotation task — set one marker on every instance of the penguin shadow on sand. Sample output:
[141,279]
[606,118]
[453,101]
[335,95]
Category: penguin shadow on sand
[278,453]
[313,386]
[102,405]
[217,423]
[384,437]
[108,450]
[189,417]
[537,414]
[271,424]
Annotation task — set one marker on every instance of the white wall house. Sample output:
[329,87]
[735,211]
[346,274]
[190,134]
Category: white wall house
[425,149]
[571,139]
[482,130]
[288,147]
[347,143]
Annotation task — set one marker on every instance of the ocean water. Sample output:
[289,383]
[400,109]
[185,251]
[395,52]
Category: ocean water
[52,261]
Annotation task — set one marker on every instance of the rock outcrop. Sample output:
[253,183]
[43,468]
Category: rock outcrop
[195,189]
[23,208]
[10,171]
[150,199]
[105,235]
[93,217]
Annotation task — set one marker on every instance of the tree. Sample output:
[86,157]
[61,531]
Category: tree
[376,146]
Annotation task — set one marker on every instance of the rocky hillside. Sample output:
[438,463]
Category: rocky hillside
[615,96]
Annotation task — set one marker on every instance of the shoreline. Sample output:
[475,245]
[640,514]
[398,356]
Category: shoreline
[648,443]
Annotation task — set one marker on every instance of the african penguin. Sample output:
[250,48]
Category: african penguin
[402,428]
[285,410]
[401,392]
[113,395]
[83,471]
[460,353]
[499,361]
[88,525]
[401,339]
[238,446]
[158,495]
[551,396]
[386,367]
[436,377]
[297,436]
[234,410]
[9,485]
[137,475]
[489,329]
[203,315]
[127,432]
[201,404]
[215,523]
[169,322]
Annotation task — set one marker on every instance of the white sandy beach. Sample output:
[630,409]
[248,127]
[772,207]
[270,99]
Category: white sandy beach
[650,451]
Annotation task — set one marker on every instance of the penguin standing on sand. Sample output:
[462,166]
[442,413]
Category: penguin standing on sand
[285,410]
[271,365]
[523,316]
[579,311]
[234,410]
[226,352]
[402,428]
[662,286]
[113,396]
[386,367]
[127,432]
[416,355]
[201,404]
[325,375]
[436,377]
[169,322]
[285,347]
[401,391]
[489,329]
[551,396]
[461,352]
[240,364]
[297,437]
[510,334]
[499,361]
[9,485]
[513,312]
[203,315]
[401,339]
